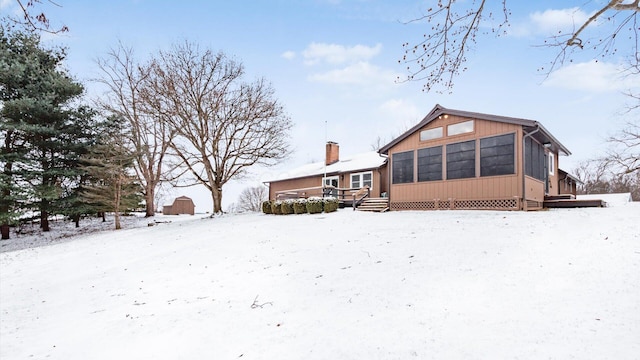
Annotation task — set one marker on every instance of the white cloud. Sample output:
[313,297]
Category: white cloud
[401,113]
[5,3]
[338,54]
[359,73]
[591,76]
[289,55]
[549,22]
[555,20]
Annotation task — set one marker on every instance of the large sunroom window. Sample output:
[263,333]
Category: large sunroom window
[461,160]
[534,159]
[430,164]
[402,171]
[497,155]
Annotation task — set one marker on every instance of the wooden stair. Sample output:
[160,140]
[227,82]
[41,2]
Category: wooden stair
[374,205]
[570,201]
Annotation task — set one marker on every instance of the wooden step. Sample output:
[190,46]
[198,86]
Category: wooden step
[374,205]
[574,203]
[559,197]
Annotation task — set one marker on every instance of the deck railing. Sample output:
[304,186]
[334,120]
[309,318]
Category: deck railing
[359,196]
[353,196]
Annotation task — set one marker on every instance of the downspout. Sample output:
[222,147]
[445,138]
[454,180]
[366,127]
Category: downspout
[524,138]
[388,179]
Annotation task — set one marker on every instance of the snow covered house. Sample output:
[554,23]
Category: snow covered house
[455,159]
[181,205]
[339,177]
[452,159]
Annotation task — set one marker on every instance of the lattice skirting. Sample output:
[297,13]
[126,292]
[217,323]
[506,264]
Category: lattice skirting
[482,204]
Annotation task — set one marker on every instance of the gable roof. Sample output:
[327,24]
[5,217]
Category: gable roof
[543,135]
[365,161]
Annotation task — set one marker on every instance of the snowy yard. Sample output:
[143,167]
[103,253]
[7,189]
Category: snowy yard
[559,284]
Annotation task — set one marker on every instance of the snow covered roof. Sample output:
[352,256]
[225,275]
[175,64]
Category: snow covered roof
[364,161]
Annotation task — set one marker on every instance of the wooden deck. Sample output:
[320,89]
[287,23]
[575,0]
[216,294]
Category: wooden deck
[570,201]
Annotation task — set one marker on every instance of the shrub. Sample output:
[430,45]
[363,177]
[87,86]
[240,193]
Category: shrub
[266,207]
[331,204]
[275,207]
[314,205]
[286,207]
[300,206]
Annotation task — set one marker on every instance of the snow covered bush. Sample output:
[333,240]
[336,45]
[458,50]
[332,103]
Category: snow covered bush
[266,207]
[287,207]
[300,206]
[275,207]
[314,205]
[330,204]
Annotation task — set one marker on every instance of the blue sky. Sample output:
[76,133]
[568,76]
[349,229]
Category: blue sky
[333,64]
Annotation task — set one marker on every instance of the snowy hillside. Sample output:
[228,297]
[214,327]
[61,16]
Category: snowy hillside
[557,284]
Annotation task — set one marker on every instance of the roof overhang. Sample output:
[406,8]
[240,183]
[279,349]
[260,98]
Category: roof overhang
[543,135]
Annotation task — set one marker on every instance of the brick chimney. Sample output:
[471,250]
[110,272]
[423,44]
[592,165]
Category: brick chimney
[333,153]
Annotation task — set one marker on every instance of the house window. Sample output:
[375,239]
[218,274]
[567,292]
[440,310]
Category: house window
[552,163]
[361,180]
[461,160]
[497,155]
[402,167]
[460,128]
[534,159]
[431,134]
[331,181]
[430,164]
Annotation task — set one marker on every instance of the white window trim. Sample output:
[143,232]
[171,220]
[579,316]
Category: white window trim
[360,175]
[324,180]
[454,125]
[431,131]
[552,163]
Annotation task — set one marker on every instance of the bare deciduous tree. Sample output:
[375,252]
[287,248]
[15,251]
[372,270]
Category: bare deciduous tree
[149,138]
[440,55]
[602,177]
[33,21]
[223,124]
[624,155]
[251,198]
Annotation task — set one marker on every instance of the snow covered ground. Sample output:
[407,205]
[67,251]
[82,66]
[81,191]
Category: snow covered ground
[558,284]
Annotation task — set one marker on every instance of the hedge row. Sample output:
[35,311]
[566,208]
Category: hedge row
[312,205]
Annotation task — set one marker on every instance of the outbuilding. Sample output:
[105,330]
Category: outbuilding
[181,205]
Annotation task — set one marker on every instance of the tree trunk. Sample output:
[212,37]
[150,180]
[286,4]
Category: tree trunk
[149,201]
[6,192]
[116,215]
[216,194]
[116,210]
[44,221]
[76,220]
[4,229]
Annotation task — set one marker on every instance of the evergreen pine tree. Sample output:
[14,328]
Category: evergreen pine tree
[110,186]
[43,133]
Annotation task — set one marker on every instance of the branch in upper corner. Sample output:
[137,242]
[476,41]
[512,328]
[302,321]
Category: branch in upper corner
[39,22]
[440,55]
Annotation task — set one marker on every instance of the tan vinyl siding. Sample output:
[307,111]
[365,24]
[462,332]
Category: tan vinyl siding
[379,183]
[476,188]
[292,184]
